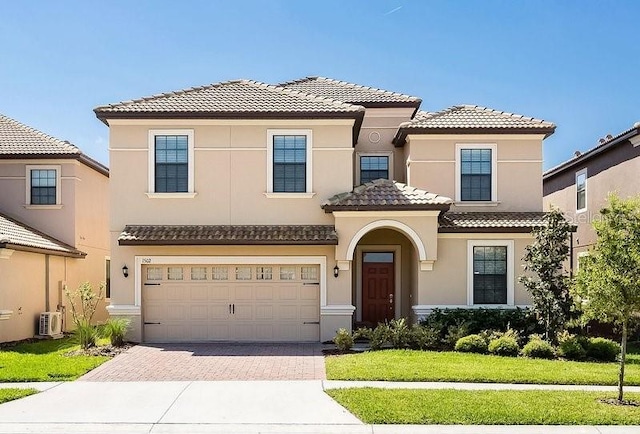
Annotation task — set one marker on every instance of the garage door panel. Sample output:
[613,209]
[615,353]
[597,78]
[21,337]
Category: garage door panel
[199,312]
[199,293]
[219,292]
[309,313]
[243,311]
[264,312]
[229,302]
[243,292]
[310,292]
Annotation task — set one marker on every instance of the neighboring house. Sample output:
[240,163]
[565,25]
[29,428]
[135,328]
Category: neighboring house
[241,215]
[53,226]
[580,186]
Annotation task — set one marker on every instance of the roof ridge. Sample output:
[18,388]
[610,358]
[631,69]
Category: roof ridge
[255,83]
[345,83]
[37,132]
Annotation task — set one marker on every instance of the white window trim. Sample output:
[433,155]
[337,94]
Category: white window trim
[586,178]
[580,256]
[309,164]
[494,173]
[510,270]
[58,170]
[152,164]
[388,154]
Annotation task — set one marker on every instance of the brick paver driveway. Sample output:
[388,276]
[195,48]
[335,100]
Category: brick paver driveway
[213,361]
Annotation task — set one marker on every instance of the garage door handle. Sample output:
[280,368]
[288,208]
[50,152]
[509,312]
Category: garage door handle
[233,306]
[309,283]
[149,323]
[311,322]
[151,284]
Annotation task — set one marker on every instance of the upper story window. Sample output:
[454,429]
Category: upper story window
[43,185]
[373,167]
[476,173]
[289,162]
[171,163]
[581,190]
[490,272]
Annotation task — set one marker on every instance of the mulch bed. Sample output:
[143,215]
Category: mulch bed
[106,350]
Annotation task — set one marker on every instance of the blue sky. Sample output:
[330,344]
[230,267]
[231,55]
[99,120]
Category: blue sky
[575,63]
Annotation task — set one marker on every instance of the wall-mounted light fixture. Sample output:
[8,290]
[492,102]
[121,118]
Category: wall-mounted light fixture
[336,271]
[125,271]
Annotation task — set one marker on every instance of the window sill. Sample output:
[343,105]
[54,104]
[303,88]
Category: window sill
[289,195]
[43,206]
[580,211]
[476,203]
[171,195]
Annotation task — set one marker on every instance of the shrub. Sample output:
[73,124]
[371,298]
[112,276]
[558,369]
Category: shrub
[423,338]
[506,345]
[603,349]
[399,334]
[521,320]
[86,334]
[115,329]
[471,344]
[379,336]
[537,348]
[570,347]
[454,333]
[343,340]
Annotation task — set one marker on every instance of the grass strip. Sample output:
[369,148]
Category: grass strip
[44,361]
[487,407]
[408,365]
[11,394]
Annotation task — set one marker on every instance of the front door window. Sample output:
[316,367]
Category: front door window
[378,289]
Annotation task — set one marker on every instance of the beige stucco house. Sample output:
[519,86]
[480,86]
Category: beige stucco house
[255,212]
[579,187]
[53,227]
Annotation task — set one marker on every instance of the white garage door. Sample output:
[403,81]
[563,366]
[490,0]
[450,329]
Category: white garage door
[231,303]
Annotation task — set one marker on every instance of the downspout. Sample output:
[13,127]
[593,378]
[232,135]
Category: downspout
[46,283]
[571,255]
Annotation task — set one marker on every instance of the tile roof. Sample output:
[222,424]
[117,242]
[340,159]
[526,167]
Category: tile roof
[490,221]
[230,98]
[19,139]
[350,92]
[225,235]
[383,194]
[472,118]
[18,236]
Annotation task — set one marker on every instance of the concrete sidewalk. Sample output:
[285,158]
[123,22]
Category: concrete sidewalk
[198,407]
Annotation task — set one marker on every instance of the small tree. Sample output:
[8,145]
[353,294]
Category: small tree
[84,302]
[549,288]
[607,284]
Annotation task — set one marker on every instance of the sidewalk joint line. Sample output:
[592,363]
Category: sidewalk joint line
[173,402]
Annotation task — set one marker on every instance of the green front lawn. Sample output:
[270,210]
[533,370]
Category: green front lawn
[505,407]
[11,394]
[408,365]
[44,361]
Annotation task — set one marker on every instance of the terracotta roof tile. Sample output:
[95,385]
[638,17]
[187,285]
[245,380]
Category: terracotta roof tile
[18,236]
[230,97]
[349,92]
[19,139]
[225,235]
[490,221]
[471,118]
[383,194]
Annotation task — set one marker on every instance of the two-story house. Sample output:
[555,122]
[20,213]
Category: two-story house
[53,227]
[579,187]
[257,212]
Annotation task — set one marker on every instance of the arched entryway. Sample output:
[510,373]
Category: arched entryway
[384,281]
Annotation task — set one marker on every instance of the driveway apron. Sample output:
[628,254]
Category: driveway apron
[214,362]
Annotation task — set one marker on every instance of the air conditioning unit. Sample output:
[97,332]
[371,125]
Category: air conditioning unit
[50,324]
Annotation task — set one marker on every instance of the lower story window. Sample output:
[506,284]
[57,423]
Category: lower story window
[490,282]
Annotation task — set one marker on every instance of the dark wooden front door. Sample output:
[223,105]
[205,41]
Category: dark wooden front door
[378,290]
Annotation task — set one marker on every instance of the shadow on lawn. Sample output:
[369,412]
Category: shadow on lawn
[40,346]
